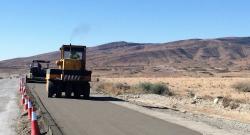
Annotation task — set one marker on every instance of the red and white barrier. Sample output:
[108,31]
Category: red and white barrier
[29,109]
[22,100]
[25,107]
[34,125]
[24,89]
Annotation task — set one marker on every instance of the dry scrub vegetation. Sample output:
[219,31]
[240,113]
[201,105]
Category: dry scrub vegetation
[202,87]
[226,97]
[242,86]
[140,88]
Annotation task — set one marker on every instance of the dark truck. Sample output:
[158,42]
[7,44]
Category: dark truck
[37,71]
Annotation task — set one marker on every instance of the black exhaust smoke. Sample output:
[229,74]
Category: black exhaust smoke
[79,32]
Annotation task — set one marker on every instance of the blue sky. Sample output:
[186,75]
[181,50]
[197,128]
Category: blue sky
[30,27]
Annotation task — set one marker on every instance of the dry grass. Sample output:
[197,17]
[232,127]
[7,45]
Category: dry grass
[203,87]
[154,88]
[118,88]
[242,86]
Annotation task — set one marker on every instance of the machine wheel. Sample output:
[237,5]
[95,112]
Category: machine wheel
[51,88]
[58,90]
[67,89]
[86,94]
[68,93]
[76,94]
[86,91]
[58,94]
[77,91]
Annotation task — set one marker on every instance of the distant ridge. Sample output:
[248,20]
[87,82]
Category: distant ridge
[229,53]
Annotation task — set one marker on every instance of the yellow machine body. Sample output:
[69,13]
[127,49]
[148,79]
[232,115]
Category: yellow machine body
[71,75]
[70,64]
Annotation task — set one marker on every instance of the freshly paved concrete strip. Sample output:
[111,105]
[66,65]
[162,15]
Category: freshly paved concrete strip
[98,116]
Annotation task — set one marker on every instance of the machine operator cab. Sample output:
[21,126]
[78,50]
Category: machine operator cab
[72,57]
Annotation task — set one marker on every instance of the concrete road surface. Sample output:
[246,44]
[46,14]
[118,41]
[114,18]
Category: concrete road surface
[98,116]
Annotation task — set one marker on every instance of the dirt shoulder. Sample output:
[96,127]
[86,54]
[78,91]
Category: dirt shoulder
[196,120]
[47,126]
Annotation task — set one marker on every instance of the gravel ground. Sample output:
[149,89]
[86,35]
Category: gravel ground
[208,125]
[23,124]
[231,126]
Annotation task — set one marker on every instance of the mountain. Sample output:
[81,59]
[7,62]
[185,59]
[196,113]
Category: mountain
[220,54]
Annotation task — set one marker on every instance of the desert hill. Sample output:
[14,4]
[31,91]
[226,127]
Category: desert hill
[220,55]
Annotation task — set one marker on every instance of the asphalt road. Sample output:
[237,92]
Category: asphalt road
[98,116]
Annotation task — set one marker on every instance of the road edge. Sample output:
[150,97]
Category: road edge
[53,128]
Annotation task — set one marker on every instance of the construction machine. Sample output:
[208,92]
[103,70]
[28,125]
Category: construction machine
[37,71]
[71,77]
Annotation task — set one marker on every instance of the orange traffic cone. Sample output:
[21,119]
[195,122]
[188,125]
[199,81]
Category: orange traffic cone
[34,125]
[29,109]
[25,107]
